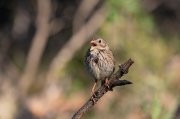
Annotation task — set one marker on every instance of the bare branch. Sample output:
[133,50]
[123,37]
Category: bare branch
[83,12]
[75,42]
[38,43]
[113,81]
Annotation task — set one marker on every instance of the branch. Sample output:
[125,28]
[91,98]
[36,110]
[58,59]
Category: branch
[113,82]
[75,42]
[84,10]
[38,44]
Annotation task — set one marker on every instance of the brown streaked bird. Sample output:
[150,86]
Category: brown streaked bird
[100,62]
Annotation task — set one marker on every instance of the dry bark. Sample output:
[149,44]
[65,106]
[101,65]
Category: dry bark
[113,82]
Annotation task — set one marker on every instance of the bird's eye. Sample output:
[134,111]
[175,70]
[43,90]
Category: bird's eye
[99,41]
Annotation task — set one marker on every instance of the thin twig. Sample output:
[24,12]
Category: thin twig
[113,82]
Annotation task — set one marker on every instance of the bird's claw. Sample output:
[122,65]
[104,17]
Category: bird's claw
[107,84]
[92,96]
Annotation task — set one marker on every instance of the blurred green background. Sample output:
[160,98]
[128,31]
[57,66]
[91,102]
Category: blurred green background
[42,49]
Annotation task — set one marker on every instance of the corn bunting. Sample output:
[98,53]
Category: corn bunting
[100,62]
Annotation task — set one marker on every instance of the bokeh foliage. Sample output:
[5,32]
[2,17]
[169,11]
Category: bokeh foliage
[131,32]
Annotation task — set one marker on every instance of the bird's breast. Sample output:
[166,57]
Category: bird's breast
[96,70]
[99,65]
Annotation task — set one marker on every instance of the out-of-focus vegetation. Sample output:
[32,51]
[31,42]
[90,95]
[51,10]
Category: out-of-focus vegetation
[42,48]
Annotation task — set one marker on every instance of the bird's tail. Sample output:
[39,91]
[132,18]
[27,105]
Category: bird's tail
[102,82]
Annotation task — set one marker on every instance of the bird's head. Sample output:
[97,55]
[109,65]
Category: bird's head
[98,44]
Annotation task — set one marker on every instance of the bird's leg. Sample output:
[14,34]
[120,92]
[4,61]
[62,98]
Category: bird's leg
[92,92]
[107,82]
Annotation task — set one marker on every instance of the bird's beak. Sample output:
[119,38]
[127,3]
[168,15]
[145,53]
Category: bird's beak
[93,44]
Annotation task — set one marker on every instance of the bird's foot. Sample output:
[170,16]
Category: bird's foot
[107,84]
[93,95]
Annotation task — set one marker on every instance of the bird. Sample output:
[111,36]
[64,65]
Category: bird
[99,62]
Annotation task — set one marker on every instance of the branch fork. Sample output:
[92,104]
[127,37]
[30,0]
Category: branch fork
[113,82]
